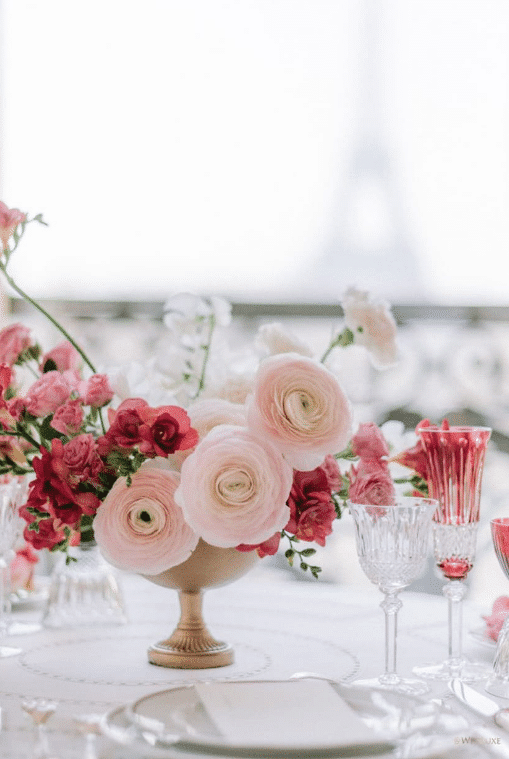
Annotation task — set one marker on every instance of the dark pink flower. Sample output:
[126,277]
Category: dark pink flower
[497,617]
[414,458]
[125,423]
[63,357]
[369,442]
[80,457]
[371,483]
[96,391]
[312,510]
[267,548]
[165,429]
[47,394]
[68,418]
[9,220]
[13,341]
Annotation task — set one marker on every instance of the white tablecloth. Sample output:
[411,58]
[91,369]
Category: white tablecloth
[277,628]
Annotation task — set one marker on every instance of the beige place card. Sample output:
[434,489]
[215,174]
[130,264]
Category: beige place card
[296,713]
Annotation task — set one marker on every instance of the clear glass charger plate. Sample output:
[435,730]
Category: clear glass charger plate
[174,723]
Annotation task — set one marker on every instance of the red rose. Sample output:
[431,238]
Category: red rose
[46,537]
[312,510]
[125,423]
[165,429]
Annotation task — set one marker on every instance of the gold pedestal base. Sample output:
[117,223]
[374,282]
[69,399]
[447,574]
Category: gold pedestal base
[191,646]
[165,656]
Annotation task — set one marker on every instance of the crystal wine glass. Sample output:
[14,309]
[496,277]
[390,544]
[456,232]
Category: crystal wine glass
[9,503]
[40,711]
[393,543]
[498,682]
[455,461]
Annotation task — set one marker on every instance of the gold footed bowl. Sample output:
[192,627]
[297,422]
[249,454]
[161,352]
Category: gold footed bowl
[191,645]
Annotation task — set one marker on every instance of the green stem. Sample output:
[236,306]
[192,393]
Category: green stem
[343,339]
[206,354]
[45,313]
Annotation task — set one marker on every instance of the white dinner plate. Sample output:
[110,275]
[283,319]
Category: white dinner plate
[419,729]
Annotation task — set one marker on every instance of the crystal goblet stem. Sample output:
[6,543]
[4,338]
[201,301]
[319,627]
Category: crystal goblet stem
[498,682]
[392,545]
[9,493]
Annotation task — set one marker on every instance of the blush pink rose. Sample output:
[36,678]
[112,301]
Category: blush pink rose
[140,528]
[371,483]
[13,341]
[96,391]
[48,393]
[64,356]
[68,418]
[369,442]
[497,617]
[299,406]
[234,488]
[9,220]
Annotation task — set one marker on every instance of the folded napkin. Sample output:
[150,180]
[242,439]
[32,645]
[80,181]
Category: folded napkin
[293,714]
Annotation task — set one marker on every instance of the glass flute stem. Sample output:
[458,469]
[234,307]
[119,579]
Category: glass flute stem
[454,591]
[3,597]
[391,605]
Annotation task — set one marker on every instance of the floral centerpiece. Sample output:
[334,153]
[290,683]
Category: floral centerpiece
[242,452]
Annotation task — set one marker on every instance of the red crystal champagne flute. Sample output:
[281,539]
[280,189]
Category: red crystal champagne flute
[455,461]
[498,683]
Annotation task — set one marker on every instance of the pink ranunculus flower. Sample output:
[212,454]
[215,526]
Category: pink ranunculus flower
[68,418]
[207,413]
[140,527]
[371,483]
[299,406]
[96,390]
[369,442]
[234,488]
[497,617]
[9,220]
[48,393]
[64,356]
[13,341]
[373,326]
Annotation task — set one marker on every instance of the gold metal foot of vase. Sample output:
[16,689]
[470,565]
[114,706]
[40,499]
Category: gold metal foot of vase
[191,646]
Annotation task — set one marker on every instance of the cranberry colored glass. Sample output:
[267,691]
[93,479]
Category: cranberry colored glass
[455,462]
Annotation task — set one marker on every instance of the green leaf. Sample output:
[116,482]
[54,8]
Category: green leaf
[308,552]
[303,565]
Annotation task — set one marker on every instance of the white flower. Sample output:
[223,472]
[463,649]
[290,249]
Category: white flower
[183,312]
[373,326]
[274,338]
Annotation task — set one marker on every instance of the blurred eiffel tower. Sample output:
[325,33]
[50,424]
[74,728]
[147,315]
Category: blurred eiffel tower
[369,245]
